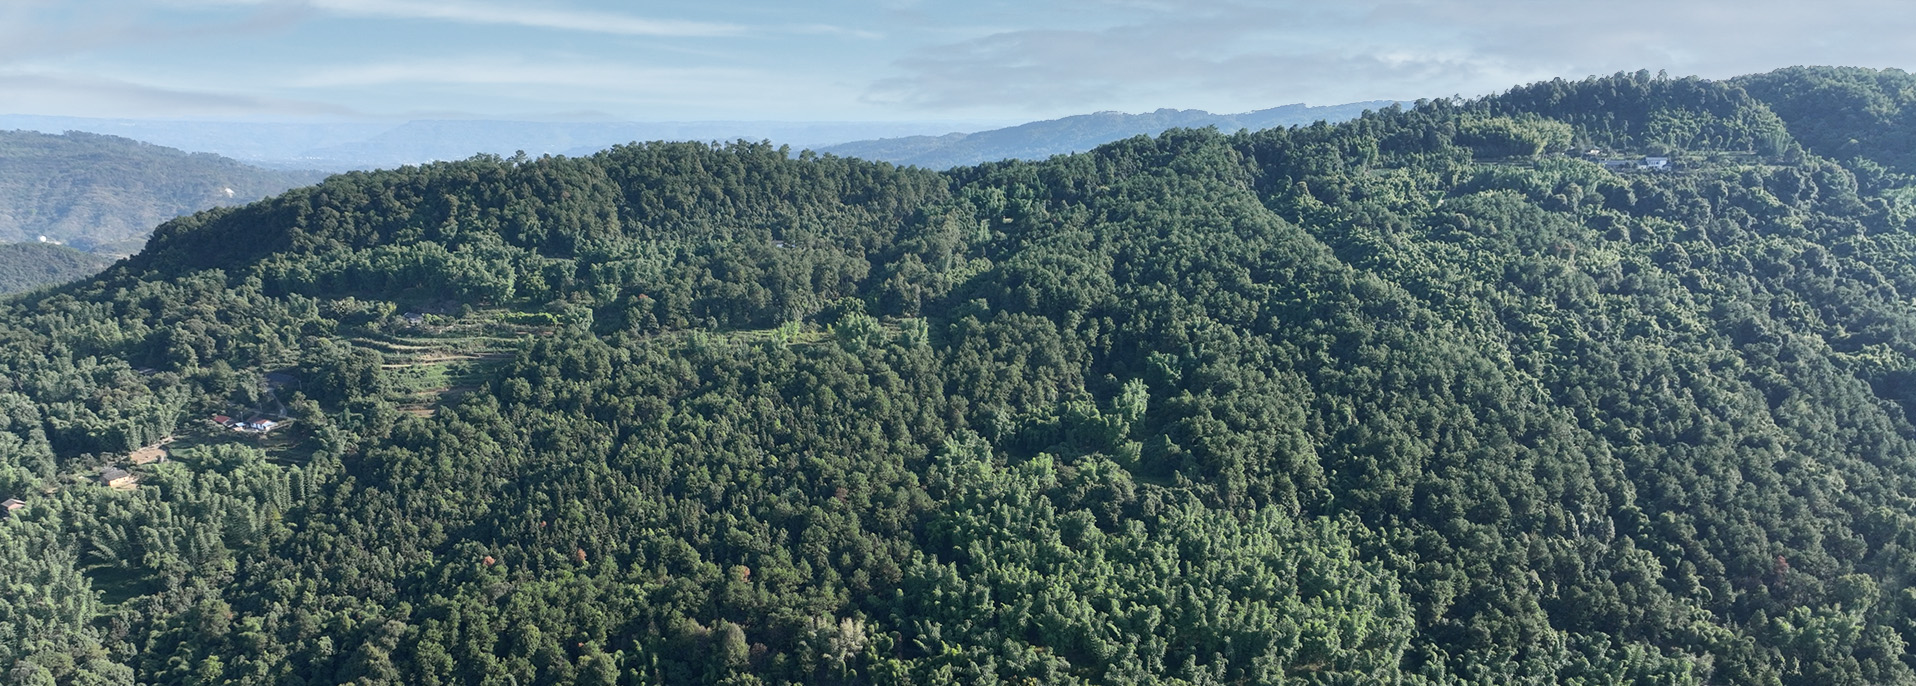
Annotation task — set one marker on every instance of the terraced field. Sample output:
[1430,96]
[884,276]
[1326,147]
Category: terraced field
[428,364]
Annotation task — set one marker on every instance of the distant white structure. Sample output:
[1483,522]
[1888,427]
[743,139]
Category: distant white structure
[1650,164]
[227,191]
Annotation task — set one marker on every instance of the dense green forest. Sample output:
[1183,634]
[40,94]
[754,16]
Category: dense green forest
[1859,116]
[104,193]
[25,266]
[1424,397]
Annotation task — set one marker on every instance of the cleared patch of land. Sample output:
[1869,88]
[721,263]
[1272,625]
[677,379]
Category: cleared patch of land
[436,361]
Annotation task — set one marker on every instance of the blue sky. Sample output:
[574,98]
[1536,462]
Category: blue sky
[896,60]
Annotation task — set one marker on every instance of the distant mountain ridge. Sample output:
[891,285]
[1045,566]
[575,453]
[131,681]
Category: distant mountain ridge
[105,193]
[343,146]
[1041,139]
[430,140]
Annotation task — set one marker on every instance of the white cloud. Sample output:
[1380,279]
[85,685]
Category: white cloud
[528,15]
[497,71]
[832,30]
[1231,54]
[505,83]
[55,92]
[37,28]
[994,58]
[541,16]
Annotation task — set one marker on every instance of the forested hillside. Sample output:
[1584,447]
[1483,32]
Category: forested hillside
[104,193]
[1418,398]
[25,266]
[1861,116]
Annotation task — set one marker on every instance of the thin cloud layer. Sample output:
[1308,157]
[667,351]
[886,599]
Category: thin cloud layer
[494,71]
[108,97]
[888,59]
[1229,54]
[542,17]
[32,29]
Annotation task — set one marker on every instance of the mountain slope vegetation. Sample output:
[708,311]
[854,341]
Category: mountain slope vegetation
[25,266]
[104,193]
[1848,113]
[1415,398]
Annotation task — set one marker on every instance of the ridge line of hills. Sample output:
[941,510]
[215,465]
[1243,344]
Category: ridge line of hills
[342,146]
[102,193]
[345,146]
[82,199]
[1040,139]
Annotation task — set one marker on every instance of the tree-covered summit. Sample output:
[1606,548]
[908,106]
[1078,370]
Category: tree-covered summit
[1431,396]
[1861,116]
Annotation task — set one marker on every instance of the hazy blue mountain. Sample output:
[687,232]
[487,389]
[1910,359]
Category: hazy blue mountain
[277,144]
[105,193]
[341,146]
[1041,139]
[426,141]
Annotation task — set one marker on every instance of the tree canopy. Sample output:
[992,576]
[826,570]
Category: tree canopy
[1416,398]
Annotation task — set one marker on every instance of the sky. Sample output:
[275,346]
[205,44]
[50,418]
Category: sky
[873,60]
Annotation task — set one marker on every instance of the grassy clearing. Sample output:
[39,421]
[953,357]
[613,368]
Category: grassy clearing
[287,444]
[429,365]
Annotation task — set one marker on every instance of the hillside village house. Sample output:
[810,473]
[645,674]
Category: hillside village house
[115,477]
[12,504]
[1654,164]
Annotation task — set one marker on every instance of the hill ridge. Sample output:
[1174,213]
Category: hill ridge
[1077,133]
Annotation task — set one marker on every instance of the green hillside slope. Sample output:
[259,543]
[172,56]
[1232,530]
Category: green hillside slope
[1846,113]
[104,193]
[25,266]
[1416,398]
